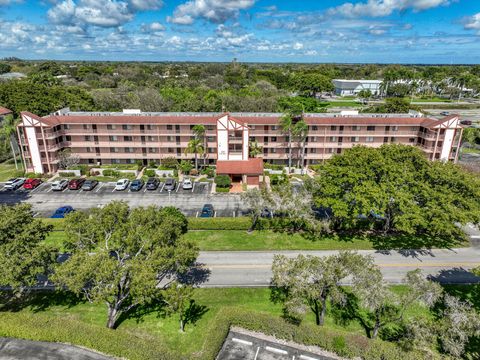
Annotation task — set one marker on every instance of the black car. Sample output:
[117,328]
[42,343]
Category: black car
[152,184]
[207,211]
[89,185]
[136,185]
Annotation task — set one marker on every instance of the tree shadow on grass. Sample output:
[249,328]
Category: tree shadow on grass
[139,312]
[41,300]
[194,312]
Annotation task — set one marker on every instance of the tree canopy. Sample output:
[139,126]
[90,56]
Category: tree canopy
[122,256]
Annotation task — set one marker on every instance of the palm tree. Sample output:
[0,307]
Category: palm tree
[300,131]
[199,133]
[8,131]
[286,124]
[254,149]
[195,146]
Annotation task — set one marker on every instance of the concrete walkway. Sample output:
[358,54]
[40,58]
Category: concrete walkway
[13,349]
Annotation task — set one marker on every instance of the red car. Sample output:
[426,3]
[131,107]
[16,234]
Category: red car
[75,184]
[31,184]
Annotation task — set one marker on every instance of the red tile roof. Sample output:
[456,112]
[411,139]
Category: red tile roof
[4,111]
[240,167]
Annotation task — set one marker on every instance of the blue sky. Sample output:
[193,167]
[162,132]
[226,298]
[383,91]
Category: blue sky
[355,31]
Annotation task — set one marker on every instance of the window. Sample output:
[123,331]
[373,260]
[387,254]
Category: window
[273,151]
[313,150]
[129,150]
[333,128]
[128,138]
[212,150]
[235,148]
[211,138]
[414,128]
[274,127]
[273,139]
[90,149]
[369,139]
[392,139]
[169,127]
[66,126]
[314,128]
[210,127]
[152,150]
[111,127]
[127,127]
[385,139]
[333,138]
[151,138]
[355,128]
[354,139]
[88,138]
[68,138]
[113,138]
[116,161]
[411,140]
[114,150]
[170,150]
[86,126]
[370,128]
[329,151]
[394,128]
[151,127]
[339,151]
[387,128]
[130,161]
[170,138]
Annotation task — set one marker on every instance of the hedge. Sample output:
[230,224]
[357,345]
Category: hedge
[149,173]
[65,329]
[67,174]
[222,190]
[112,173]
[239,223]
[223,181]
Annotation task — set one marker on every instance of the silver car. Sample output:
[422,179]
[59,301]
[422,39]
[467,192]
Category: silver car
[59,185]
[14,184]
[122,184]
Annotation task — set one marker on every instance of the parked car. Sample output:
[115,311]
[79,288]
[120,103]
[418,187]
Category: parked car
[170,184]
[59,185]
[14,184]
[122,184]
[152,184]
[207,211]
[445,113]
[136,185]
[31,184]
[89,185]
[61,212]
[187,184]
[76,184]
[466,122]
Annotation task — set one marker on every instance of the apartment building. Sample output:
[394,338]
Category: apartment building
[131,136]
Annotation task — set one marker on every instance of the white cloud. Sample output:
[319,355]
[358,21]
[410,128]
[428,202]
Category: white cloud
[472,22]
[297,46]
[153,27]
[379,8]
[216,11]
[102,13]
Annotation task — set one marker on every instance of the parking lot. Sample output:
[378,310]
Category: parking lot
[241,346]
[190,202]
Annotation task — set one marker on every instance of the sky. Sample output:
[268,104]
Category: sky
[310,31]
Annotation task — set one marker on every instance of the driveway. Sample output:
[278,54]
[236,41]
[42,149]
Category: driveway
[11,349]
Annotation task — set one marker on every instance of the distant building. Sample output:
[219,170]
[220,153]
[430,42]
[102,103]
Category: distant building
[4,112]
[353,87]
[12,76]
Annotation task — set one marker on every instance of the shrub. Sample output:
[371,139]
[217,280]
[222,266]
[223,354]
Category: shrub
[32,175]
[139,164]
[273,166]
[223,181]
[68,174]
[222,190]
[84,169]
[169,163]
[193,172]
[209,171]
[110,172]
[185,166]
[315,168]
[149,173]
[175,173]
[152,164]
[240,223]
[277,179]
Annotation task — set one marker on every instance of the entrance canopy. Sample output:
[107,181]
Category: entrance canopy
[240,167]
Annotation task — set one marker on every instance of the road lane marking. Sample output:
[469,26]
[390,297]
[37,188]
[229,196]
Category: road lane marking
[420,265]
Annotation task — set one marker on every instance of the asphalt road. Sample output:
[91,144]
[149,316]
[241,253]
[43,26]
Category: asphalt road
[251,268]
[13,349]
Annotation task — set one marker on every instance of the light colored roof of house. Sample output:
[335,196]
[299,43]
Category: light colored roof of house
[5,111]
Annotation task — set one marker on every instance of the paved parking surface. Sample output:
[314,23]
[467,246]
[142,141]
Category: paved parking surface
[238,346]
[190,202]
[11,349]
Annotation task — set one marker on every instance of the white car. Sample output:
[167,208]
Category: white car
[187,184]
[121,184]
[59,185]
[14,184]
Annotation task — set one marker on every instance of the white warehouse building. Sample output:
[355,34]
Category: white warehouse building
[353,87]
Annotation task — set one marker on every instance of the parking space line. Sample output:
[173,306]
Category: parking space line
[214,214]
[256,354]
[275,350]
[178,187]
[475,236]
[196,214]
[249,343]
[66,188]
[99,187]
[193,187]
[163,185]
[305,357]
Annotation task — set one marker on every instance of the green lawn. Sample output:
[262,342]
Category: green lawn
[465,150]
[7,170]
[35,319]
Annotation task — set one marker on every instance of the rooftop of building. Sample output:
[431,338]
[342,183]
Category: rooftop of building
[4,111]
[359,81]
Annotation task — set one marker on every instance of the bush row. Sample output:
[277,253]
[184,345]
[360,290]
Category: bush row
[120,343]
